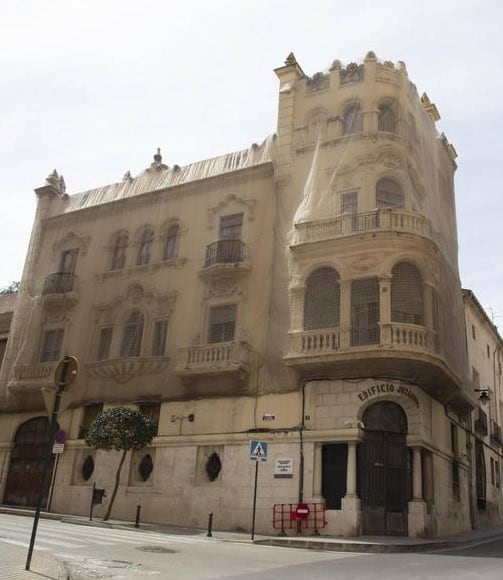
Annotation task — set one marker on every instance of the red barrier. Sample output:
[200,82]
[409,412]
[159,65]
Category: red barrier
[298,516]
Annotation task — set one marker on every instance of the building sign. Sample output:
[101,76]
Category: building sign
[283,467]
[387,389]
[58,448]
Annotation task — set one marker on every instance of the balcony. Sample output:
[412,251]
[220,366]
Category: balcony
[60,290]
[32,377]
[404,351]
[384,220]
[208,360]
[122,370]
[225,257]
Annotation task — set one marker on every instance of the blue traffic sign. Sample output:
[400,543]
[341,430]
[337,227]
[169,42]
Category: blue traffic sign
[258,450]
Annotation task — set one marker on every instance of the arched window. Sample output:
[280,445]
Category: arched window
[171,244]
[389,194]
[132,335]
[322,299]
[119,252]
[352,119]
[386,119]
[145,247]
[406,294]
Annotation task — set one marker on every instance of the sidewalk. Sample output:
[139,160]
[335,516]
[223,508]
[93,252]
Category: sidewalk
[43,566]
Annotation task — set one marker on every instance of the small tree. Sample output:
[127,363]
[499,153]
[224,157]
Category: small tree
[12,288]
[120,429]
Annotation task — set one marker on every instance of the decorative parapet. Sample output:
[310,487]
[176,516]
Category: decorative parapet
[387,73]
[318,82]
[347,224]
[213,359]
[33,376]
[122,370]
[353,73]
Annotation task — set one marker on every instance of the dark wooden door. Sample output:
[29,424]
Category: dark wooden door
[24,478]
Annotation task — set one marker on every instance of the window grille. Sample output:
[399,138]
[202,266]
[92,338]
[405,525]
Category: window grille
[386,119]
[105,340]
[152,411]
[349,202]
[51,345]
[119,252]
[89,415]
[231,227]
[133,334]
[365,311]
[222,323]
[322,299]
[389,194]
[145,247]
[159,342]
[406,294]
[171,245]
[352,120]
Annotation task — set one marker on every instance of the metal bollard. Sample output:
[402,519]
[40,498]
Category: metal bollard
[210,525]
[137,519]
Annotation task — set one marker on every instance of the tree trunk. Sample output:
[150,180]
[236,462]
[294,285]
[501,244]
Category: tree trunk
[116,486]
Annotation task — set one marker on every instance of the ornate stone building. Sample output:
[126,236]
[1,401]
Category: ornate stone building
[304,292]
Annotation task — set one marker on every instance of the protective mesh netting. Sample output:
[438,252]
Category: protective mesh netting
[363,156]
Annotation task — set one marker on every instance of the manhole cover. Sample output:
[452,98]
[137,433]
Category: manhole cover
[158,549]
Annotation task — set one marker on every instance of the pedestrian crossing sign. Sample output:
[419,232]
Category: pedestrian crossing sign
[258,450]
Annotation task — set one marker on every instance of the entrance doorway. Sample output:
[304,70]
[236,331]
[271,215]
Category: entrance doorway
[24,478]
[384,473]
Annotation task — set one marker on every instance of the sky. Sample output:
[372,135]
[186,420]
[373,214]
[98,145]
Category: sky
[92,88]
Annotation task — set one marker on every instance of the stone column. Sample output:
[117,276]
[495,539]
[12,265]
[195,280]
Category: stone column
[417,476]
[351,470]
[417,507]
[350,515]
[385,309]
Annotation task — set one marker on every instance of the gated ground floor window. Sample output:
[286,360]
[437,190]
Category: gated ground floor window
[333,479]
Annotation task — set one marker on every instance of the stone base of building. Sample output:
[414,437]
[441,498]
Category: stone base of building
[418,519]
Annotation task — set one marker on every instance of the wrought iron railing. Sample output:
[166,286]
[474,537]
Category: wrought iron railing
[59,283]
[224,252]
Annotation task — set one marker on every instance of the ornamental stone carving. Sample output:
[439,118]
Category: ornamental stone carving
[248,203]
[122,370]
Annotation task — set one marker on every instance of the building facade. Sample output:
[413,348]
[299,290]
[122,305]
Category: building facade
[303,292]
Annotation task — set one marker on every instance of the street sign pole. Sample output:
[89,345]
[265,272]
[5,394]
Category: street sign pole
[254,501]
[257,452]
[61,384]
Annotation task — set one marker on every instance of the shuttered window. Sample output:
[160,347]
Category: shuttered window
[104,342]
[159,342]
[132,335]
[51,345]
[222,323]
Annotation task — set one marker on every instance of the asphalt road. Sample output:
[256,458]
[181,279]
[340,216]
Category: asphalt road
[110,553]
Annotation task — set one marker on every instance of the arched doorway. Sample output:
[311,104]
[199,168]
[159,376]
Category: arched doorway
[384,470]
[27,462]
